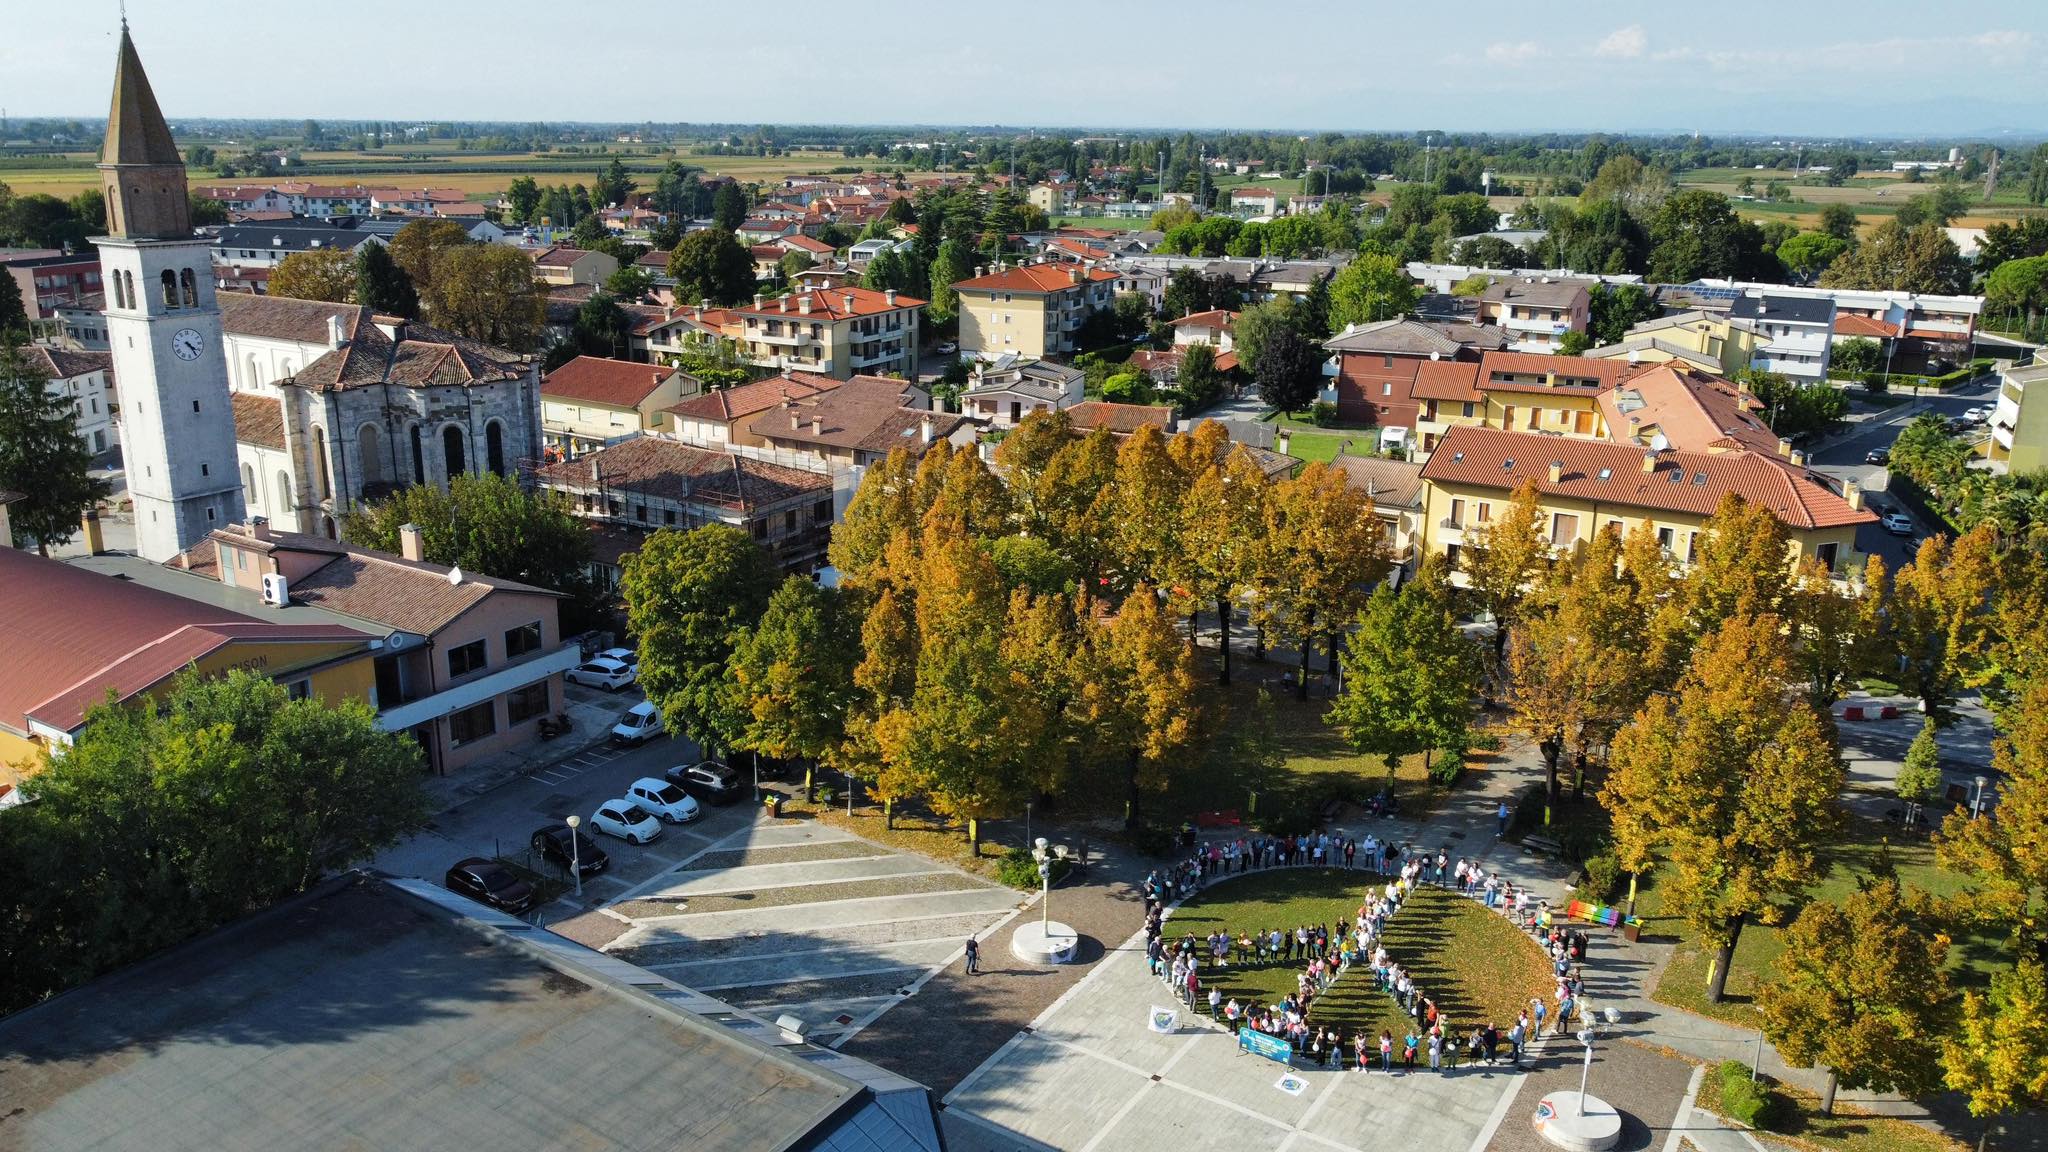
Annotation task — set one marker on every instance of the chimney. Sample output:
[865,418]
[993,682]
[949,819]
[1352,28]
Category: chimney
[1556,471]
[849,301]
[889,294]
[259,528]
[335,338]
[925,430]
[1853,493]
[783,304]
[703,305]
[1649,462]
[95,541]
[412,542]
[796,420]
[803,304]
[980,270]
[1077,274]
[757,299]
[817,425]
[1784,448]
[1798,459]
[1280,441]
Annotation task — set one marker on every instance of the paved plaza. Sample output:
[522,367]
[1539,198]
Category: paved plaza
[802,918]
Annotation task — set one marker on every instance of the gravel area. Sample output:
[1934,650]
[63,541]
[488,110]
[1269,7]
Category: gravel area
[801,894]
[785,854]
[756,943]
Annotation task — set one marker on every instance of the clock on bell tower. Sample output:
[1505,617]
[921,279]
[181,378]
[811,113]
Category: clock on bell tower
[177,422]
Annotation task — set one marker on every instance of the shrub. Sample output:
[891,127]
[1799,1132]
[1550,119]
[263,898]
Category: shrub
[1747,1101]
[1322,413]
[1018,870]
[1876,382]
[1449,761]
[1151,839]
[1579,842]
[1487,741]
[1602,878]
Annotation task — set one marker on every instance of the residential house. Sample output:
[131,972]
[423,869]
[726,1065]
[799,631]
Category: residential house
[85,381]
[1147,282]
[1712,341]
[1928,331]
[52,280]
[1051,199]
[1211,328]
[663,337]
[862,253]
[590,402]
[83,325]
[265,245]
[1796,333]
[564,265]
[333,405]
[759,229]
[1536,313]
[841,333]
[1003,395]
[76,636]
[1376,365]
[1121,419]
[652,483]
[1589,486]
[1395,489]
[719,417]
[1254,201]
[859,422]
[1032,310]
[2019,430]
[810,246]
[244,198]
[469,663]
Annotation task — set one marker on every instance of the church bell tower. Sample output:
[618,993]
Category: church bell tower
[177,422]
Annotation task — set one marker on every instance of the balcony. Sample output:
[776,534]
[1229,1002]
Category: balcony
[1532,324]
[496,683]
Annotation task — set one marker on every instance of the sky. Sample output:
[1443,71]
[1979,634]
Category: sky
[1796,67]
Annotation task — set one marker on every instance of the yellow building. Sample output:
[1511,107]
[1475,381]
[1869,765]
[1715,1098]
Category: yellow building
[1587,486]
[1704,340]
[2019,434]
[591,401]
[1033,310]
[74,636]
[838,332]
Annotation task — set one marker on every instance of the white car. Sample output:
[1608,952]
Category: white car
[664,800]
[626,656]
[1898,524]
[602,672]
[1977,415]
[946,348]
[623,819]
[642,722]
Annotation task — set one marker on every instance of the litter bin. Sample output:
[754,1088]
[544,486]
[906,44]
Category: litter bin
[774,806]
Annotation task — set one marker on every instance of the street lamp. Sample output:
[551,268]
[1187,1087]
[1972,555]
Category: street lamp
[1027,821]
[576,855]
[1586,1038]
[1977,799]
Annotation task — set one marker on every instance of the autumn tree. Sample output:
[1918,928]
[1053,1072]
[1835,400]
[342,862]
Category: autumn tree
[1937,615]
[1732,780]
[1741,566]
[485,292]
[883,681]
[415,247]
[1223,539]
[1048,641]
[1860,991]
[1325,550]
[885,504]
[690,598]
[327,274]
[2005,850]
[1141,508]
[1503,557]
[1835,628]
[1409,674]
[1140,697]
[793,673]
[1998,1056]
[1065,504]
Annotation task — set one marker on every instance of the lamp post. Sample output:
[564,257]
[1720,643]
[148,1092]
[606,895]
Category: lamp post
[1977,798]
[1027,822]
[1038,853]
[849,792]
[1585,1073]
[576,855]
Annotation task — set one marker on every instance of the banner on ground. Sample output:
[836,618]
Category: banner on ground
[1163,1019]
[1259,1044]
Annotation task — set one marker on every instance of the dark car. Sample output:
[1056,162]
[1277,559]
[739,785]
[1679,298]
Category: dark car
[489,882]
[709,781]
[1878,456]
[552,842]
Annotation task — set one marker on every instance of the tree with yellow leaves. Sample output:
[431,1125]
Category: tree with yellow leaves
[1325,550]
[1836,628]
[1138,701]
[1063,506]
[1223,538]
[1938,618]
[1503,559]
[1998,1056]
[2005,850]
[885,503]
[1141,510]
[1732,780]
[1741,566]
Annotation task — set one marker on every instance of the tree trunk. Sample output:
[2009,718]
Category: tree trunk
[1632,894]
[1553,749]
[1717,979]
[1258,640]
[1336,665]
[974,837]
[1308,641]
[889,813]
[1579,775]
[1827,1095]
[1223,636]
[1132,819]
[809,771]
[1194,616]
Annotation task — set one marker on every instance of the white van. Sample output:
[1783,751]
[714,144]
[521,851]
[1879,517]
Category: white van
[640,723]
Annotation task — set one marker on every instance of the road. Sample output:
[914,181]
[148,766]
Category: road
[1842,458]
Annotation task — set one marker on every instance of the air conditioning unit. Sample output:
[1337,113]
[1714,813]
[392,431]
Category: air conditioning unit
[276,592]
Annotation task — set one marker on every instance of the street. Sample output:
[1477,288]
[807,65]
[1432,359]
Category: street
[1842,459]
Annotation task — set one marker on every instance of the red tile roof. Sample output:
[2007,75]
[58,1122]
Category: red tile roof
[865,414]
[259,420]
[1692,410]
[1453,380]
[1602,373]
[729,404]
[1035,278]
[1121,418]
[670,470]
[830,304]
[1851,324]
[1214,318]
[611,383]
[1692,483]
[560,256]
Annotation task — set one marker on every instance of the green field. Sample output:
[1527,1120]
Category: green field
[1472,962]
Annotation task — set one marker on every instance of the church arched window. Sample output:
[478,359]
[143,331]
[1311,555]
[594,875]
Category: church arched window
[128,279]
[189,287]
[120,297]
[170,281]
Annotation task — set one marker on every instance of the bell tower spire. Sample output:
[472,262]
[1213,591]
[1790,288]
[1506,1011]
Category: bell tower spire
[140,169]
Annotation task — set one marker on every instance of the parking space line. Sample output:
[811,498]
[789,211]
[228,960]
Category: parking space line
[788,980]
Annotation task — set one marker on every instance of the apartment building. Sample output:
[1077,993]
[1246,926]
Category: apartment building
[1536,313]
[1795,333]
[86,381]
[1032,310]
[2019,430]
[858,423]
[592,401]
[841,333]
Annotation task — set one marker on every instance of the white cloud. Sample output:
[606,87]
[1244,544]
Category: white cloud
[1627,43]
[1513,52]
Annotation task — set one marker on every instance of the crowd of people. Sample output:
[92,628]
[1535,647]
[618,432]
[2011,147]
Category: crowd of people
[1326,950]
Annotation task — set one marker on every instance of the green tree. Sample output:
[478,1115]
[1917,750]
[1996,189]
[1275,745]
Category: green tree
[381,285]
[1375,286]
[1733,781]
[492,526]
[1573,343]
[793,673]
[1288,370]
[1409,675]
[710,264]
[1808,254]
[524,197]
[953,263]
[485,292]
[1896,258]
[1199,382]
[41,455]
[317,274]
[1839,221]
[792,265]
[1249,331]
[728,207]
[690,598]
[1858,356]
[1186,293]
[1860,992]
[176,813]
[1919,779]
[13,316]
[2019,286]
[613,186]
[631,283]
[1695,234]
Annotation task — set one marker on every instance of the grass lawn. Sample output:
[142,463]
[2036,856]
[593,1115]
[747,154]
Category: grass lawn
[1972,956]
[1472,962]
[1106,223]
[1797,1118]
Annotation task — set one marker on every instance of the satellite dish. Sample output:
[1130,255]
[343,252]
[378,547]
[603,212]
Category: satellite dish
[455,574]
[1659,442]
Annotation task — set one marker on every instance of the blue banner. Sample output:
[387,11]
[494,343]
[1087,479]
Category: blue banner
[1257,1043]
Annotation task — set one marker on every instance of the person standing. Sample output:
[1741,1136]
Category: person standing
[973,957]
[1516,1035]
[1436,1051]
[1502,817]
[1387,1052]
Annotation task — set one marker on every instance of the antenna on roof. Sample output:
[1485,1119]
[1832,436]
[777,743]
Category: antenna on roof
[124,17]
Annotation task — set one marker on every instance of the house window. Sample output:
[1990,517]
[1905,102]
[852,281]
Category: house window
[465,659]
[640,513]
[1665,538]
[521,640]
[668,516]
[1386,361]
[1468,408]
[1564,529]
[1457,516]
[1825,553]
[760,529]
[1484,511]
[1387,388]
[299,689]
[472,723]
[526,703]
[1692,547]
[821,512]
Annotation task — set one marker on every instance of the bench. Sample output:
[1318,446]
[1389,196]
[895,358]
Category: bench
[1543,844]
[1329,810]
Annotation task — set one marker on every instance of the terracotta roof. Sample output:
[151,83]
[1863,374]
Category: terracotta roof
[66,364]
[1853,324]
[1390,483]
[259,420]
[1570,370]
[829,304]
[806,243]
[729,404]
[1394,337]
[1035,278]
[1217,318]
[389,590]
[670,470]
[1693,410]
[559,256]
[109,634]
[1692,483]
[653,258]
[1121,418]
[421,357]
[285,318]
[865,414]
[136,132]
[1536,293]
[611,383]
[1453,380]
